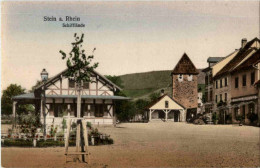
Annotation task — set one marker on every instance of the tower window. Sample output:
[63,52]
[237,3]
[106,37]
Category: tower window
[166,104]
[180,77]
[190,77]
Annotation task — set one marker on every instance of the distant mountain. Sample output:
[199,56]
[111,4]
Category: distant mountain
[141,85]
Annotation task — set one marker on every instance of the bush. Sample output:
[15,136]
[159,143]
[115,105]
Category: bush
[229,117]
[29,124]
[239,118]
[252,117]
[215,117]
[198,122]
[48,143]
[73,125]
[6,122]
[89,124]
[53,130]
[17,142]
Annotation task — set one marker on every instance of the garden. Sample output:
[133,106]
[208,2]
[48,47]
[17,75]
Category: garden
[29,133]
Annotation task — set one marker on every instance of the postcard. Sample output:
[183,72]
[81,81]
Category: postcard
[130,83]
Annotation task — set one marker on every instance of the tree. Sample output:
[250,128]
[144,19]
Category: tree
[11,91]
[38,83]
[154,96]
[141,104]
[125,110]
[116,80]
[79,66]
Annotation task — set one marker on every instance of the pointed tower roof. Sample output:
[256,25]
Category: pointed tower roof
[185,66]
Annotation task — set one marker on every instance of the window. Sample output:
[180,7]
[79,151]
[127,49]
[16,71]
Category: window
[60,110]
[206,80]
[225,81]
[210,79]
[252,78]
[166,104]
[244,80]
[210,96]
[216,98]
[216,84]
[180,77]
[71,83]
[225,97]
[72,109]
[190,77]
[221,83]
[85,85]
[100,109]
[220,97]
[236,82]
[206,96]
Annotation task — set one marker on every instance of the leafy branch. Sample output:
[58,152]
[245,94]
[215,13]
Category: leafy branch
[78,62]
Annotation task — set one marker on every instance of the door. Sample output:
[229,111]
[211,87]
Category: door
[176,116]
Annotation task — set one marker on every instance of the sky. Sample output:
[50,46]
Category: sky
[129,37]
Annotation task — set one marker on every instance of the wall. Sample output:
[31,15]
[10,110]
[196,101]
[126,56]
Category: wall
[217,67]
[61,87]
[161,104]
[186,92]
[223,90]
[87,112]
[243,90]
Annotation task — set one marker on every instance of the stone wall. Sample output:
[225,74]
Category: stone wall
[186,92]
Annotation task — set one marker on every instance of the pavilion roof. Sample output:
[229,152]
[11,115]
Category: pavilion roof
[31,96]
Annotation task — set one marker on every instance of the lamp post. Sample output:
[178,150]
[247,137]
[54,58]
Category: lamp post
[44,76]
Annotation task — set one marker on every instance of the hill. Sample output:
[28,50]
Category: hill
[141,85]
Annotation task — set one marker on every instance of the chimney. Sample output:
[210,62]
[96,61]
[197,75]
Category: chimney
[162,92]
[243,42]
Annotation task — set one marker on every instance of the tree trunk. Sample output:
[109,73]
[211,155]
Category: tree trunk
[78,100]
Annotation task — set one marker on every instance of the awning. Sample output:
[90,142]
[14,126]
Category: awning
[31,96]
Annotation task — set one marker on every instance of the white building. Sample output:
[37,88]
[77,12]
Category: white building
[166,108]
[97,100]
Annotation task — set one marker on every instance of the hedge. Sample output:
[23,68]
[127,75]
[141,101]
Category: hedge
[17,142]
[49,142]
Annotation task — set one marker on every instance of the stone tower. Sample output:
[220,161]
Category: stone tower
[185,84]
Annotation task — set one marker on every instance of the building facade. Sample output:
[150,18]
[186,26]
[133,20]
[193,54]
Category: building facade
[244,93]
[227,74]
[208,105]
[185,85]
[167,109]
[97,100]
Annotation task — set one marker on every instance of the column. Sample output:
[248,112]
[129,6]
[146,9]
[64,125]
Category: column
[166,115]
[14,113]
[182,115]
[41,110]
[246,112]
[150,115]
[257,106]
[233,115]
